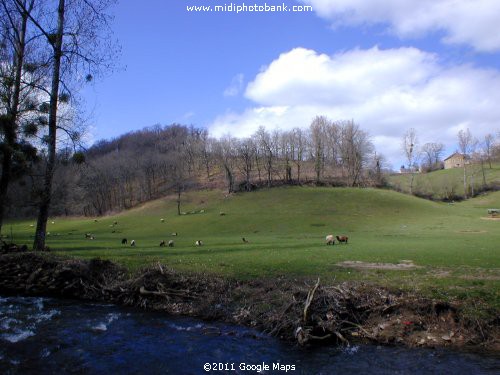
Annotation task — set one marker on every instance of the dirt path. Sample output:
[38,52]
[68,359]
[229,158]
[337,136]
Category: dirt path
[356,264]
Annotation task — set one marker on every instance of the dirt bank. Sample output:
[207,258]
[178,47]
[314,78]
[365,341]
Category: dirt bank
[303,311]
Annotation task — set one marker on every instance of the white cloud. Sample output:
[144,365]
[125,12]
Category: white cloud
[188,115]
[235,86]
[471,22]
[385,91]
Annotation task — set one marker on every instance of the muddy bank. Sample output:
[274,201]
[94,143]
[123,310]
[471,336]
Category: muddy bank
[303,311]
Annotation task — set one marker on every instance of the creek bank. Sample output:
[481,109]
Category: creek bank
[302,311]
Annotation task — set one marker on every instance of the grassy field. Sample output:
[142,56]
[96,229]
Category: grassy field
[446,182]
[455,246]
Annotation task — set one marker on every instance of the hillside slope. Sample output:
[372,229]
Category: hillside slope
[448,183]
[437,247]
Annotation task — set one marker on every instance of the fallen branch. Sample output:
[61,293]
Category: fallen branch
[309,299]
[170,293]
[367,334]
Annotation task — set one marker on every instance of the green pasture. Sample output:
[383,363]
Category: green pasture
[447,182]
[455,246]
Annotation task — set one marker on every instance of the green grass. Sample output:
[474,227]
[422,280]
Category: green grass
[446,182]
[456,248]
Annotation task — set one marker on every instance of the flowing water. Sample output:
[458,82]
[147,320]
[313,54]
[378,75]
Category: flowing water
[49,336]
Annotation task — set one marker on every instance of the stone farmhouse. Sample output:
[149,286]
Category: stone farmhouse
[456,160]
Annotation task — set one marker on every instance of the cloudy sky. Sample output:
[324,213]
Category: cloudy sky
[389,65]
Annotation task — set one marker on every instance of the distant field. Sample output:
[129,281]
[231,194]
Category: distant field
[455,246]
[446,182]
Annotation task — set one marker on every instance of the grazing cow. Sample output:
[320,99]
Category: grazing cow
[162,243]
[342,239]
[124,241]
[171,243]
[88,235]
[162,220]
[132,243]
[330,239]
[222,213]
[244,240]
[174,234]
[199,243]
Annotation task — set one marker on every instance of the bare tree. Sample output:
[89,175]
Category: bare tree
[266,146]
[489,140]
[298,149]
[475,157]
[206,149]
[226,154]
[377,165]
[432,152]
[409,146]
[355,149]
[465,144]
[246,157]
[317,138]
[74,51]
[286,154]
[180,176]
[332,145]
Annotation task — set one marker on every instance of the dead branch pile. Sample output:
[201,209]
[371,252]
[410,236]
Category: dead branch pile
[161,288]
[310,313]
[28,273]
[302,311]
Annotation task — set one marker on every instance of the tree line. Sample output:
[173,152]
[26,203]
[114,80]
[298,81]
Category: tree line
[136,167]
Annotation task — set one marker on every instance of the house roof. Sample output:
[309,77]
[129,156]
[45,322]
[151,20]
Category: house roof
[454,154]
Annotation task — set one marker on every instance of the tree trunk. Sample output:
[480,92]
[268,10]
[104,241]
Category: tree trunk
[288,173]
[179,201]
[6,168]
[43,213]
[229,177]
[465,183]
[411,182]
[472,185]
[484,175]
[248,184]
[257,164]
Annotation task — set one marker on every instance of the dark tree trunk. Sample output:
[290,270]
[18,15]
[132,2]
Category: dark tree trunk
[6,168]
[230,179]
[248,184]
[179,191]
[43,213]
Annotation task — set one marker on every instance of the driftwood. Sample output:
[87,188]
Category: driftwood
[310,296]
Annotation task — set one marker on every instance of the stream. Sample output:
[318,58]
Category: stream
[51,336]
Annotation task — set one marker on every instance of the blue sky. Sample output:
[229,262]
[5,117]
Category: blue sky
[387,64]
